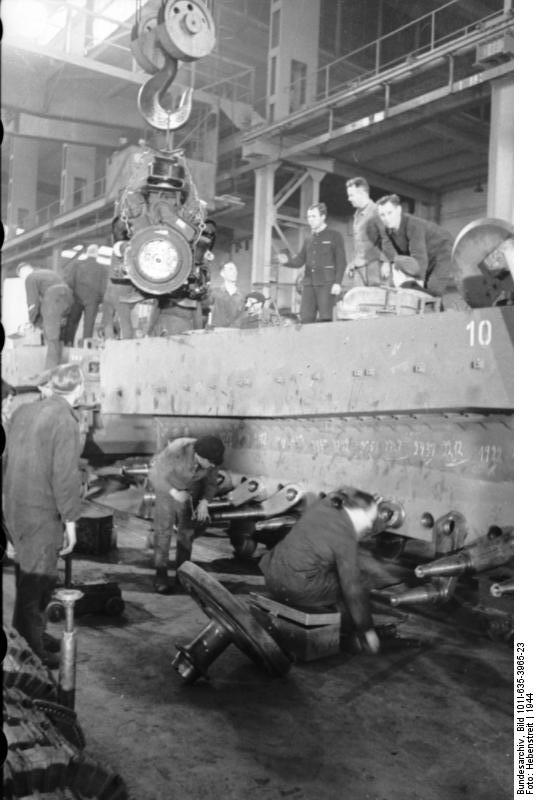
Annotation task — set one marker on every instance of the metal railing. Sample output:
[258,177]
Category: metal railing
[48,214]
[417,38]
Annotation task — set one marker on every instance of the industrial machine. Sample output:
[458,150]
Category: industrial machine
[162,236]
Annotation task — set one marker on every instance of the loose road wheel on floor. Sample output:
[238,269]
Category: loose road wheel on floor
[231,621]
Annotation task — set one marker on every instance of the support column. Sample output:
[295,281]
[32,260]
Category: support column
[55,260]
[310,190]
[292,57]
[501,151]
[22,187]
[262,225]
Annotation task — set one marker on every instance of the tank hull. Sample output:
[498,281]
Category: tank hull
[418,408]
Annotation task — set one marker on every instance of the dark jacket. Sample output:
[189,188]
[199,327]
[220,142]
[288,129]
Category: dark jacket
[226,308]
[428,243]
[318,562]
[88,279]
[324,258]
[42,480]
[36,284]
[175,467]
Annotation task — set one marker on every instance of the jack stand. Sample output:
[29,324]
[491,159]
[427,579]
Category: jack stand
[66,688]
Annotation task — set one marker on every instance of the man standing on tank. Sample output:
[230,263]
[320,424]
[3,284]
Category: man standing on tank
[366,264]
[324,259]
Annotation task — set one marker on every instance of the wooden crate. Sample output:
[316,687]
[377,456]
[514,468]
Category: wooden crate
[302,633]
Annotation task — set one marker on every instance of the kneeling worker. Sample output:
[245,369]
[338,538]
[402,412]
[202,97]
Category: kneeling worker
[318,563]
[184,478]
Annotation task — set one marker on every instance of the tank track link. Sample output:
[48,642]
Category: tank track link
[44,758]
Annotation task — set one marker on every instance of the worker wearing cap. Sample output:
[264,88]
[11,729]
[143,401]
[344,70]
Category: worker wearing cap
[184,478]
[259,311]
[42,499]
[49,301]
[88,280]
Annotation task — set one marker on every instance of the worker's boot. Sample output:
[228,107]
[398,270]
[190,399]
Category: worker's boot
[160,583]
[183,554]
[51,644]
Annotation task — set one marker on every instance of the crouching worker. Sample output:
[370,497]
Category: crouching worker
[318,564]
[184,477]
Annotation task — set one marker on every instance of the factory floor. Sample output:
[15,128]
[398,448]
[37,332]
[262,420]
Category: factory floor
[428,719]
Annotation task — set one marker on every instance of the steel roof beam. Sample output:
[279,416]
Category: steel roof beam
[419,107]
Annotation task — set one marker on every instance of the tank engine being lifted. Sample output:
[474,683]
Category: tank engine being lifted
[162,237]
[163,241]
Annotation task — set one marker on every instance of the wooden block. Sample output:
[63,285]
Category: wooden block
[299,642]
[308,618]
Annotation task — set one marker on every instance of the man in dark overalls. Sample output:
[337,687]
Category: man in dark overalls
[88,280]
[319,564]
[184,477]
[42,499]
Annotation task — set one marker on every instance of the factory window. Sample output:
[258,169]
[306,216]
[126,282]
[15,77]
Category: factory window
[79,191]
[259,9]
[298,82]
[276,19]
[273,72]
[22,216]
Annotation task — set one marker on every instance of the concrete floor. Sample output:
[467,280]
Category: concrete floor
[427,722]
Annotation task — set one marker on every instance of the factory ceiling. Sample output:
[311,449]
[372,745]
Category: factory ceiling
[408,105]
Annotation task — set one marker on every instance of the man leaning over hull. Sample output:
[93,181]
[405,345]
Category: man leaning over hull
[49,301]
[420,252]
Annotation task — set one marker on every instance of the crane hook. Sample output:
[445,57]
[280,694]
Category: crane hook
[150,103]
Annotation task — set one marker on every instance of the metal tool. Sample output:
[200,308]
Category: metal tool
[231,621]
